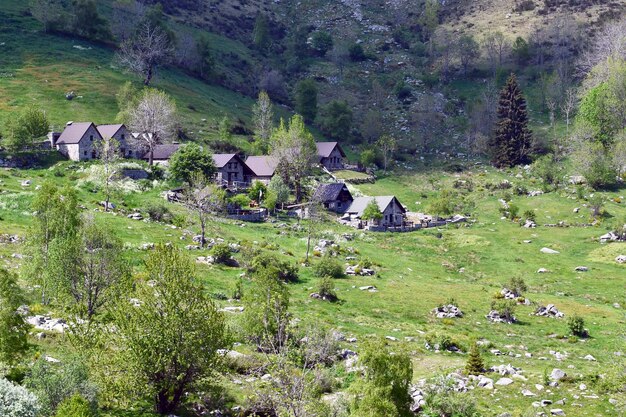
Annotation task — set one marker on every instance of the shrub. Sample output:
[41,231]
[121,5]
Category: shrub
[356,52]
[327,289]
[443,399]
[179,220]
[240,200]
[328,267]
[16,401]
[318,347]
[517,285]
[576,326]
[220,253]
[285,271]
[159,213]
[441,341]
[54,383]
[530,215]
[76,406]
[505,308]
[238,289]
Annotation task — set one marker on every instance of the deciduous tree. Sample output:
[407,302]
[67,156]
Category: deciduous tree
[263,115]
[204,199]
[154,118]
[387,146]
[168,344]
[190,161]
[146,51]
[295,148]
[306,99]
[13,328]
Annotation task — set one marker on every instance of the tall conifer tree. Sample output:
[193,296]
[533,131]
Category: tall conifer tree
[512,141]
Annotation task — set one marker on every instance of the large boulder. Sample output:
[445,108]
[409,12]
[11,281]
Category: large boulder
[449,311]
[557,374]
[549,251]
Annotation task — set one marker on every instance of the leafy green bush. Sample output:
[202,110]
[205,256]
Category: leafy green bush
[54,383]
[576,326]
[326,288]
[221,253]
[285,271]
[328,267]
[443,399]
[517,285]
[76,406]
[240,200]
[159,213]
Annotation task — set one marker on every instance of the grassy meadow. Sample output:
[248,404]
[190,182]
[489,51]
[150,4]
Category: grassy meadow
[416,272]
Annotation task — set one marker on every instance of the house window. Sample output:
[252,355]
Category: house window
[91,138]
[85,153]
[123,150]
[123,136]
[130,153]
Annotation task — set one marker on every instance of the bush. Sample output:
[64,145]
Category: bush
[356,52]
[159,213]
[443,399]
[285,271]
[530,215]
[327,289]
[220,253]
[505,308]
[441,341]
[517,285]
[328,267]
[76,406]
[240,200]
[16,401]
[53,383]
[576,326]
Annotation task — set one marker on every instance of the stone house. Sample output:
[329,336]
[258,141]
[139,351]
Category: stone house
[78,142]
[394,214]
[123,136]
[262,168]
[331,155]
[334,197]
[231,169]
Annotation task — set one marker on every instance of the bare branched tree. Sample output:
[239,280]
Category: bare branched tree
[109,152]
[609,43]
[154,119]
[122,15]
[205,199]
[496,46]
[147,50]
[568,105]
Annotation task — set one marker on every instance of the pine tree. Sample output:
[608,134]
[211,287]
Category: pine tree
[512,140]
[475,364]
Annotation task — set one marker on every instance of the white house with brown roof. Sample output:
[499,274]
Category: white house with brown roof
[79,141]
[331,155]
[262,167]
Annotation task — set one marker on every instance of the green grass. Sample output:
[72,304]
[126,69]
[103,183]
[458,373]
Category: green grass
[417,271]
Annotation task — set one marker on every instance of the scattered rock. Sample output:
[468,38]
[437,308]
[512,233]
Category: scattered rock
[233,309]
[504,381]
[549,251]
[542,271]
[527,393]
[557,412]
[621,259]
[530,224]
[357,270]
[26,183]
[581,269]
[549,311]
[47,323]
[135,216]
[589,358]
[557,374]
[369,288]
[495,317]
[449,311]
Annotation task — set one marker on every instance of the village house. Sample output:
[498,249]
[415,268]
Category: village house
[262,168]
[330,155]
[78,142]
[334,197]
[162,153]
[123,136]
[231,170]
[394,214]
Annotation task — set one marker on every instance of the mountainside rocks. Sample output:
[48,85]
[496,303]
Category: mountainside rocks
[496,317]
[549,251]
[549,311]
[449,311]
[621,259]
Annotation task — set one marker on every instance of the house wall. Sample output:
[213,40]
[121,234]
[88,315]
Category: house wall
[262,180]
[393,215]
[83,150]
[127,144]
[334,161]
[232,171]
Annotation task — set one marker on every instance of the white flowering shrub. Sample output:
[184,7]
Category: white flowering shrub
[16,401]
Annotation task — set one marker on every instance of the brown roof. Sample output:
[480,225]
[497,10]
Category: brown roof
[221,159]
[74,132]
[162,152]
[262,166]
[108,131]
[324,149]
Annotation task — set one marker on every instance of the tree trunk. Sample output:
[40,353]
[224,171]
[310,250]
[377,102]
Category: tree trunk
[151,156]
[148,78]
[202,231]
